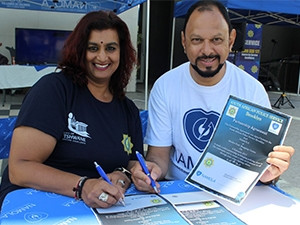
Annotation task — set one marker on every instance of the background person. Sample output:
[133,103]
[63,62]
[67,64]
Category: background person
[3,59]
[80,115]
[200,88]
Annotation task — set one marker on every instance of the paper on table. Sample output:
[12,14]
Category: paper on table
[264,205]
[142,209]
[208,212]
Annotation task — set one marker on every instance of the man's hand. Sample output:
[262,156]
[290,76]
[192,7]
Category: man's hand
[141,180]
[279,159]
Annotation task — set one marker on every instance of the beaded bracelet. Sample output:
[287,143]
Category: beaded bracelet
[78,188]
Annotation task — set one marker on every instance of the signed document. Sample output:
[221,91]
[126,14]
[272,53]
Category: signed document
[141,209]
[235,157]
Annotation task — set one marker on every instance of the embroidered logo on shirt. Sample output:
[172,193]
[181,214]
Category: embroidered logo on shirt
[199,126]
[77,127]
[127,144]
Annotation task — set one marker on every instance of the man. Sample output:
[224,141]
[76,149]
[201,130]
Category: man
[186,102]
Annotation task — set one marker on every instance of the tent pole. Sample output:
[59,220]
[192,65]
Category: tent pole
[172,43]
[147,53]
[298,88]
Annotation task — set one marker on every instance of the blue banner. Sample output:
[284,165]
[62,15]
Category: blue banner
[71,6]
[249,59]
[276,6]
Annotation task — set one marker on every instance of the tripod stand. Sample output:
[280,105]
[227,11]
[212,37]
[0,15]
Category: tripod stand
[283,99]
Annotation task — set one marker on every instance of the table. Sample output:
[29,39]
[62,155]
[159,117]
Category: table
[264,205]
[18,76]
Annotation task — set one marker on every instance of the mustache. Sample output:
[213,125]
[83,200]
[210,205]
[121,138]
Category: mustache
[207,57]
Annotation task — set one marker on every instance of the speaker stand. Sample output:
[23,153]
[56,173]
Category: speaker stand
[283,99]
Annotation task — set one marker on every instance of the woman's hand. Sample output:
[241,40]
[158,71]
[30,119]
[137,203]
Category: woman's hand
[97,193]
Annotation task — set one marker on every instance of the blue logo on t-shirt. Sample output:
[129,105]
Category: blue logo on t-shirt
[199,126]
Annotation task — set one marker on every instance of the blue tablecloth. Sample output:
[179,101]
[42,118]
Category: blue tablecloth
[29,206]
[6,130]
[38,207]
[265,205]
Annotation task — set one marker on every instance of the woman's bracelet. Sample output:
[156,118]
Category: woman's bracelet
[78,188]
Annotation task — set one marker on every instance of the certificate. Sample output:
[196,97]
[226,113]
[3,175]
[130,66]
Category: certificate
[141,209]
[235,158]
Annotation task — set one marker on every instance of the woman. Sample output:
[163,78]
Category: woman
[80,115]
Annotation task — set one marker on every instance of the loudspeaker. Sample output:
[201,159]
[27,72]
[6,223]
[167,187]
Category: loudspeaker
[239,43]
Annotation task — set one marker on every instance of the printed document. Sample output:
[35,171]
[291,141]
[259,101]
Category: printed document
[235,157]
[142,209]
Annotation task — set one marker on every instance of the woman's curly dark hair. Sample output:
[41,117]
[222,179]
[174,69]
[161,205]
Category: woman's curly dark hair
[73,61]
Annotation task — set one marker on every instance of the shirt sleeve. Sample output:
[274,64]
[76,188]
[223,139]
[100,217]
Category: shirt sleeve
[159,128]
[44,107]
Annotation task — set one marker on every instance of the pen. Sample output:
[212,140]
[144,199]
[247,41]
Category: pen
[105,177]
[145,169]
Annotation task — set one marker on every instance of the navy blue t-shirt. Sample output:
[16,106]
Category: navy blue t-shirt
[85,128]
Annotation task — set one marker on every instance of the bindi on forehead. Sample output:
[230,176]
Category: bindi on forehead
[101,42]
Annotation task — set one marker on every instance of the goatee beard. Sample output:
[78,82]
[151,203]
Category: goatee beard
[209,73]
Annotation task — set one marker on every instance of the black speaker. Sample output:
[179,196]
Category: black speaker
[239,43]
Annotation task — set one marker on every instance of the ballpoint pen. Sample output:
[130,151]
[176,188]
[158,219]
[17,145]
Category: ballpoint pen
[145,169]
[105,177]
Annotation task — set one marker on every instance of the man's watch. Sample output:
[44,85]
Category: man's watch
[125,171]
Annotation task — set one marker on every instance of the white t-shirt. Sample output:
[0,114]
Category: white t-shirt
[183,114]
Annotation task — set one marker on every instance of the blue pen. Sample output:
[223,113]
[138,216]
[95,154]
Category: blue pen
[146,171]
[105,177]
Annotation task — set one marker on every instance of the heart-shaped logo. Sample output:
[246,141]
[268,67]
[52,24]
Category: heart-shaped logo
[275,126]
[35,217]
[199,126]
